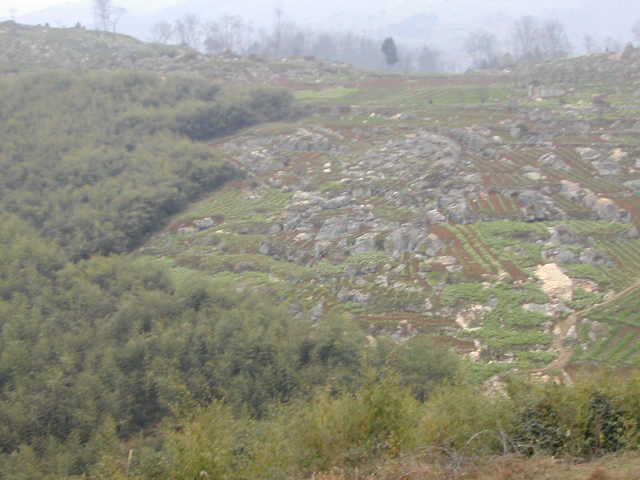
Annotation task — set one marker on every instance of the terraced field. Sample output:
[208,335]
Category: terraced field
[458,207]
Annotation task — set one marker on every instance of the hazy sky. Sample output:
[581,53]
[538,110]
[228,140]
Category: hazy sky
[25,6]
[20,7]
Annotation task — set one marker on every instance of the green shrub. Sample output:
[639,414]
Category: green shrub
[207,447]
[597,416]
[347,430]
[463,419]
[422,365]
[465,293]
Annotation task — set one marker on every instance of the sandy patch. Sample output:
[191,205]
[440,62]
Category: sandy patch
[555,283]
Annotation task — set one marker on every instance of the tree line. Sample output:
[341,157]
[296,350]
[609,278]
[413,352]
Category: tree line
[231,34]
[530,39]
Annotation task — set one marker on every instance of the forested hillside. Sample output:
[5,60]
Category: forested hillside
[96,351]
[97,162]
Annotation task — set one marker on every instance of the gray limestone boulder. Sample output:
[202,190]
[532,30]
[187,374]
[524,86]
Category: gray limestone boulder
[337,202]
[633,185]
[606,209]
[562,235]
[334,228]
[404,239]
[535,206]
[435,217]
[551,160]
[353,295]
[518,130]
[588,154]
[591,256]
[366,243]
[607,167]
[560,255]
[432,245]
[460,212]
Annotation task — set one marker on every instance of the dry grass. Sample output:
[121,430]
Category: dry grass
[613,467]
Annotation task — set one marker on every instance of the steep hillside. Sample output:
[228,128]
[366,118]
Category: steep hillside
[502,220]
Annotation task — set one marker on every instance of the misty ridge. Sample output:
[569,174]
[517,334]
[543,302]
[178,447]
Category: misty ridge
[436,37]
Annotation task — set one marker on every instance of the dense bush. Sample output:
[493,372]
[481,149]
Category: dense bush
[298,439]
[98,162]
[594,418]
[383,420]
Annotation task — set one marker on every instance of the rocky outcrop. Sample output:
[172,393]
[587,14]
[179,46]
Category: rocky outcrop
[603,208]
[617,67]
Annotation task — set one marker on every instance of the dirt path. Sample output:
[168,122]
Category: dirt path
[559,341]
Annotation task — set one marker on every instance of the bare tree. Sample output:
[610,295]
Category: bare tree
[293,41]
[534,40]
[188,30]
[234,35]
[612,45]
[161,32]
[229,34]
[107,15]
[214,41]
[429,60]
[299,44]
[407,63]
[525,36]
[590,44]
[277,31]
[636,31]
[554,42]
[325,46]
[117,14]
[482,47]
[102,12]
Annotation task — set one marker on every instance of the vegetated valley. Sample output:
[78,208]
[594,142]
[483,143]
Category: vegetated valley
[220,267]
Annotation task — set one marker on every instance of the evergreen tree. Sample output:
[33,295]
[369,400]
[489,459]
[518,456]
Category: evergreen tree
[390,51]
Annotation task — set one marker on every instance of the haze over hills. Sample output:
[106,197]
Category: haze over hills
[439,24]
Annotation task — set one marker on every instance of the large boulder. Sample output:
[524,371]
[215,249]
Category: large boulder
[633,185]
[535,206]
[591,256]
[366,243]
[404,239]
[588,154]
[551,160]
[606,209]
[562,235]
[607,167]
[334,228]
[560,255]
